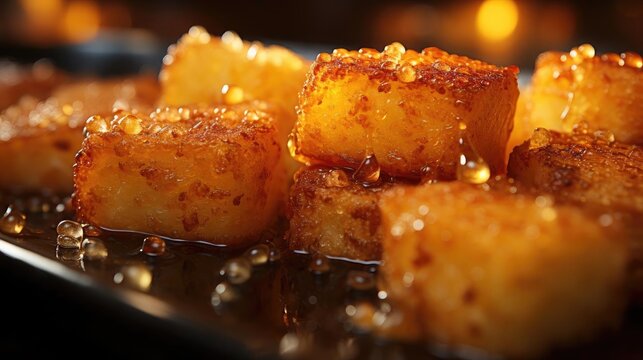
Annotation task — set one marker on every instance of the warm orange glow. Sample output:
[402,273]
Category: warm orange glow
[497,19]
[40,11]
[81,21]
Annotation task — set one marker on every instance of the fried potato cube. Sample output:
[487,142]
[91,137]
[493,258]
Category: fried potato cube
[591,170]
[210,174]
[39,139]
[333,215]
[406,108]
[198,67]
[36,81]
[604,91]
[498,269]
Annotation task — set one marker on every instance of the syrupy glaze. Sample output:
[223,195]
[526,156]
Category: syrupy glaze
[273,301]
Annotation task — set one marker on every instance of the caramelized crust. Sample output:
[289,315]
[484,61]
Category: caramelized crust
[585,168]
[604,91]
[197,68]
[40,138]
[36,81]
[195,173]
[495,268]
[333,215]
[406,108]
[592,171]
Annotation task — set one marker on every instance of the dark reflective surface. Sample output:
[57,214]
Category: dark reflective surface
[180,297]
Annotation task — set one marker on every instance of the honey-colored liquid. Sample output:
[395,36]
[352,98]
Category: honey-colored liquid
[272,301]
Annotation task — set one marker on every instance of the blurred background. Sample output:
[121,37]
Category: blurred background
[77,32]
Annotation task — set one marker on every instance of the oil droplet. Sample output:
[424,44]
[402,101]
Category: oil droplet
[71,229]
[67,254]
[319,264]
[233,40]
[337,178]
[395,49]
[632,60]
[360,280]
[96,124]
[130,124]
[223,293]
[324,57]
[406,74]
[293,151]
[471,168]
[368,171]
[94,249]
[91,230]
[232,94]
[258,254]
[137,276]
[153,246]
[605,135]
[237,270]
[68,242]
[274,255]
[587,51]
[198,35]
[13,221]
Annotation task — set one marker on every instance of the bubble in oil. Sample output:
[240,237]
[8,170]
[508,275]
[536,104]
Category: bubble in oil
[91,230]
[471,168]
[223,293]
[319,264]
[137,276]
[68,242]
[94,249]
[70,229]
[360,280]
[237,270]
[153,246]
[13,221]
[258,254]
[368,172]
